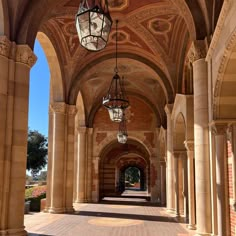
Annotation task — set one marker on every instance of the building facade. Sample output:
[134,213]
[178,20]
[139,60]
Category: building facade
[178,58]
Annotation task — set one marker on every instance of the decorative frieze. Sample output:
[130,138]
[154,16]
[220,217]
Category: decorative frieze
[71,110]
[5,46]
[58,107]
[25,55]
[197,51]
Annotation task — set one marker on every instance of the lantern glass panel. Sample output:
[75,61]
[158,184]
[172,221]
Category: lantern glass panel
[116,114]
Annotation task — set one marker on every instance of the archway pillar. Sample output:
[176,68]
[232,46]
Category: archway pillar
[80,194]
[191,184]
[15,64]
[220,131]
[154,181]
[60,158]
[95,179]
[170,161]
[201,137]
[163,183]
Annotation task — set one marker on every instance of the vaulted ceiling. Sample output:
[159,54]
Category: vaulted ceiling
[153,37]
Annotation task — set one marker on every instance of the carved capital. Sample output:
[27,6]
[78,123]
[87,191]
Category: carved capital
[82,129]
[219,128]
[5,46]
[58,107]
[71,110]
[189,145]
[197,51]
[25,55]
[178,153]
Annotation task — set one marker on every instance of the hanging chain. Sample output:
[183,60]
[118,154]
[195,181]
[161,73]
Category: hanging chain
[116,68]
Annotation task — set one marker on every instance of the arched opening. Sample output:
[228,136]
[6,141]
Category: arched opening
[180,168]
[114,171]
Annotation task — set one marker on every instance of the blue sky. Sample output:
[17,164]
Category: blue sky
[39,92]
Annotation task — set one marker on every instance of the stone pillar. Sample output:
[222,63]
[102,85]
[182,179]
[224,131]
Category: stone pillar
[69,162]
[220,130]
[89,168]
[15,64]
[55,202]
[95,179]
[191,182]
[176,173]
[154,187]
[80,195]
[185,187]
[201,138]
[163,183]
[170,161]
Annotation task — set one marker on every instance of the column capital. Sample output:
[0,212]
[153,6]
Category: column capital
[57,107]
[177,153]
[71,110]
[82,129]
[5,46]
[197,51]
[25,55]
[219,127]
[168,109]
[189,145]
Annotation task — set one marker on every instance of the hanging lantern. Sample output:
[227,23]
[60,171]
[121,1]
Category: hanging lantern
[122,134]
[93,24]
[115,100]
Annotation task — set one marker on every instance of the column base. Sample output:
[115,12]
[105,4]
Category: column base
[203,234]
[13,232]
[70,210]
[191,227]
[54,210]
[171,211]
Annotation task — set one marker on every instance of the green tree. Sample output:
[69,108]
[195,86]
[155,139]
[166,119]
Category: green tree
[132,174]
[37,152]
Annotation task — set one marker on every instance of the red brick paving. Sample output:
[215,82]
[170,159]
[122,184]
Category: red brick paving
[107,220]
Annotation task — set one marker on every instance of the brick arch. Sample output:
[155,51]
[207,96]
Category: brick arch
[112,138]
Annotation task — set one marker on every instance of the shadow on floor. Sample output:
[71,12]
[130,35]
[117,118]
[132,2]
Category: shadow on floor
[128,216]
[31,234]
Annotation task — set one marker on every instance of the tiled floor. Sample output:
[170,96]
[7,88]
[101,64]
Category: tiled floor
[107,220]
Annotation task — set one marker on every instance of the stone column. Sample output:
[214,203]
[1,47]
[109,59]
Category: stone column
[163,183]
[69,162]
[81,165]
[170,161]
[191,182]
[176,173]
[15,64]
[201,138]
[89,165]
[154,187]
[95,179]
[220,130]
[56,169]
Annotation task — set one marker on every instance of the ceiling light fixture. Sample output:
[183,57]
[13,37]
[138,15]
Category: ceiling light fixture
[93,24]
[115,100]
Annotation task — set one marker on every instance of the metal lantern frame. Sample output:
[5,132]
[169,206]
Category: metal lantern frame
[116,100]
[93,24]
[122,135]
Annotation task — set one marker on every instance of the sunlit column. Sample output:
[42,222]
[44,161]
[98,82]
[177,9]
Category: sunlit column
[191,182]
[201,138]
[220,130]
[176,174]
[170,161]
[81,165]
[15,64]
[56,169]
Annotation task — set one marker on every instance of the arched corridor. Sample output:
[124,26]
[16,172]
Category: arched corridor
[178,61]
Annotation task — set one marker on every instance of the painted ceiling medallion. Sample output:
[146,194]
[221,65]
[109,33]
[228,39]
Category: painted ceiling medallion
[159,26]
[118,5]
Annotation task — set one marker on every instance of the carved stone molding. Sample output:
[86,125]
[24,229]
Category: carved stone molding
[5,46]
[58,107]
[219,128]
[82,129]
[25,55]
[71,110]
[189,145]
[220,24]
[197,51]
